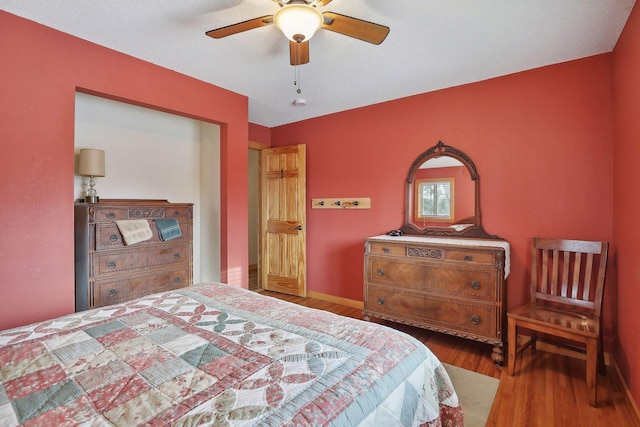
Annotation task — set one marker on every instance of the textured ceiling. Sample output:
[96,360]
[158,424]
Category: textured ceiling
[432,44]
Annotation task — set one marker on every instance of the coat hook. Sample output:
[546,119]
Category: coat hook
[341,203]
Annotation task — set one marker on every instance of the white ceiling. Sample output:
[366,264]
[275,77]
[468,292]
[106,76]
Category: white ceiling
[433,44]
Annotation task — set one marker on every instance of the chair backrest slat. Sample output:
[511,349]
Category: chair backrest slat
[565,272]
[545,273]
[554,274]
[569,272]
[576,274]
[587,277]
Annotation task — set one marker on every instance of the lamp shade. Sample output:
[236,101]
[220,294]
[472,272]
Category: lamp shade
[91,162]
[298,22]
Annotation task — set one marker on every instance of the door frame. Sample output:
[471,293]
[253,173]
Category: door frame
[257,146]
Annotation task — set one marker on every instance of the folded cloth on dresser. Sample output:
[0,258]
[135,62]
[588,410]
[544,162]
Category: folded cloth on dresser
[168,229]
[134,230]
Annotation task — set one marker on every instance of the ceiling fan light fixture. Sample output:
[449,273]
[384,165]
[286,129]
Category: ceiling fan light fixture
[298,22]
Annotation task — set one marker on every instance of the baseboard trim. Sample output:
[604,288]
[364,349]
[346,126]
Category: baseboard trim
[627,390]
[336,300]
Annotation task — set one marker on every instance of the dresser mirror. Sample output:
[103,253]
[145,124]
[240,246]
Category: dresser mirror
[442,195]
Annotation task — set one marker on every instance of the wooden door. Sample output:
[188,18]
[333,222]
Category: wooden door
[283,219]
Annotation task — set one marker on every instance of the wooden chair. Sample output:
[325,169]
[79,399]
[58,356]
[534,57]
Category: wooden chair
[567,281]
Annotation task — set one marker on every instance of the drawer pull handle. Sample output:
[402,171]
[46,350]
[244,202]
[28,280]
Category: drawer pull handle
[468,258]
[176,213]
[176,256]
[111,215]
[475,285]
[475,319]
[177,280]
[380,301]
[113,238]
[380,272]
[113,293]
[111,265]
[386,250]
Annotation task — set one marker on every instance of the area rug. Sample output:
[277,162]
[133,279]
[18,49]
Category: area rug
[476,393]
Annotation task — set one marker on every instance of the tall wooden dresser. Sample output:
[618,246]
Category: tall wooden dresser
[108,272]
[454,286]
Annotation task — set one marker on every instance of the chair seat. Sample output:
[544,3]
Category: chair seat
[570,321]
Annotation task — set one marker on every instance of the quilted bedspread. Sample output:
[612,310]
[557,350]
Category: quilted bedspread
[212,354]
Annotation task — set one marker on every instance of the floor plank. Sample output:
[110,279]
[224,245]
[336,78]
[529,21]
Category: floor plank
[548,389]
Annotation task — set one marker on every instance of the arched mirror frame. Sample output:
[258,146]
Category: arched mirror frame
[475,230]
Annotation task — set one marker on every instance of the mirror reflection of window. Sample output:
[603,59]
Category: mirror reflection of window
[435,200]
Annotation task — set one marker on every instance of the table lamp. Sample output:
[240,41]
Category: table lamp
[91,164]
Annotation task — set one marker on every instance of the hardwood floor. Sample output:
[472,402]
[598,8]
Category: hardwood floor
[548,389]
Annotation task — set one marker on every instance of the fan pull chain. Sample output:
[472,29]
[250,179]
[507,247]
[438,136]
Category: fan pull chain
[296,80]
[296,70]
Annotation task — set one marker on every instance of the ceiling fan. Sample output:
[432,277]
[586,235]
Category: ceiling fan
[299,20]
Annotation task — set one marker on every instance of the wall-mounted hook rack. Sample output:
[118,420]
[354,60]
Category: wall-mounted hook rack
[342,203]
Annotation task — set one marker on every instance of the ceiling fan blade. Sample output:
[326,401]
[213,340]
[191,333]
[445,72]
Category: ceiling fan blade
[323,2]
[353,27]
[240,27]
[299,52]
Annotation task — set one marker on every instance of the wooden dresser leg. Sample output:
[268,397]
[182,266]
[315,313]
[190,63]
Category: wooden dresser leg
[512,346]
[498,355]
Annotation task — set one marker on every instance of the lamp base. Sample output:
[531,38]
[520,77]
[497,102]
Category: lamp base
[91,199]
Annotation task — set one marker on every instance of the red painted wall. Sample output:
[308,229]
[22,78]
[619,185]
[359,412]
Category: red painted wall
[542,142]
[261,134]
[626,96]
[40,73]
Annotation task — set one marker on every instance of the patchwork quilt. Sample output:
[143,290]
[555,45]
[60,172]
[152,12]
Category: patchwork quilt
[216,355]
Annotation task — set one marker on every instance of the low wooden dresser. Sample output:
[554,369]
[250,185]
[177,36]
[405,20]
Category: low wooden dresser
[108,272]
[449,285]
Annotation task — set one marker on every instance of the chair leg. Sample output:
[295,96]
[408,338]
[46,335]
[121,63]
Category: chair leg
[592,375]
[512,345]
[534,339]
[601,367]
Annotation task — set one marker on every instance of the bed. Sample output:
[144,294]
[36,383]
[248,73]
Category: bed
[213,354]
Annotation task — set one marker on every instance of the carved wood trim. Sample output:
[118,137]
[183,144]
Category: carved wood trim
[146,213]
[441,148]
[425,252]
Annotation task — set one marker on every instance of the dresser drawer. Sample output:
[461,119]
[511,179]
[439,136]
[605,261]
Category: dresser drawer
[178,212]
[113,291]
[428,252]
[455,280]
[432,311]
[390,249]
[117,213]
[143,258]
[108,236]
[108,214]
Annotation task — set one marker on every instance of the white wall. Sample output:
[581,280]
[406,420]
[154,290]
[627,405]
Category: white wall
[155,155]
[210,202]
